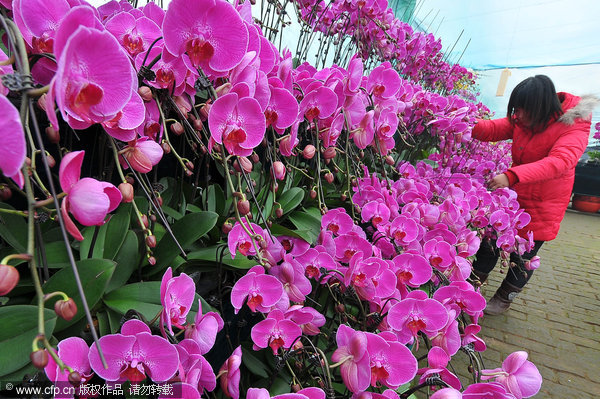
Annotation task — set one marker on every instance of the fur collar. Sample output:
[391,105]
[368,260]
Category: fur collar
[582,110]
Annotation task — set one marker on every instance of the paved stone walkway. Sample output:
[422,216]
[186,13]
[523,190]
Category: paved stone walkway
[556,319]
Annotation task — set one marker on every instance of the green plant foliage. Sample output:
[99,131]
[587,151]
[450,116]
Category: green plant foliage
[94,275]
[15,348]
[187,230]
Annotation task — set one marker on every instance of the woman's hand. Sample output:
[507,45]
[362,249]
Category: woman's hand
[499,181]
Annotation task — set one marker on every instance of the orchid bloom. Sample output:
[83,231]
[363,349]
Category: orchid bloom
[12,141]
[133,354]
[469,337]
[353,358]
[262,290]
[412,315]
[73,351]
[205,328]
[392,363]
[518,375]
[275,332]
[176,296]
[239,240]
[142,154]
[211,32]
[88,200]
[230,374]
[237,123]
[92,83]
[194,369]
[438,360]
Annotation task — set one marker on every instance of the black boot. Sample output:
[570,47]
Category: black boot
[479,275]
[502,299]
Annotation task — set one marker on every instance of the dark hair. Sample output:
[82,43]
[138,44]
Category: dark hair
[537,97]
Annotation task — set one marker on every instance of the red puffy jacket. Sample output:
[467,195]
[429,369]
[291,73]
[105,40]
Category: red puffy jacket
[544,163]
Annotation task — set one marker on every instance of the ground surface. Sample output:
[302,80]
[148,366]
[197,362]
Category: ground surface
[557,317]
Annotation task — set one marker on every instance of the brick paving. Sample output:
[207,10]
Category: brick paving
[556,319]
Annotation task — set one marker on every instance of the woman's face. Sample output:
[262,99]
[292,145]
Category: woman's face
[522,117]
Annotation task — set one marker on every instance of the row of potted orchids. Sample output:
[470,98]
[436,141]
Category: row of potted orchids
[327,264]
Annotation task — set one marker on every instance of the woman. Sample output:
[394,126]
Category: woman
[549,133]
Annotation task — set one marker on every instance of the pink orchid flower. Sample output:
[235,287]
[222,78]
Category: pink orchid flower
[124,124]
[194,369]
[142,154]
[262,290]
[383,81]
[412,315]
[205,328]
[169,70]
[440,253]
[262,393]
[353,357]
[275,332]
[364,132]
[291,273]
[307,318]
[337,221]
[12,142]
[230,374]
[448,337]
[134,34]
[88,200]
[38,20]
[392,363]
[375,211]
[73,351]
[349,244]
[237,123]
[210,31]
[469,337]
[518,375]
[319,103]
[133,354]
[460,296]
[151,127]
[411,269]
[293,245]
[176,296]
[282,110]
[404,230]
[533,263]
[489,390]
[239,240]
[438,360]
[93,83]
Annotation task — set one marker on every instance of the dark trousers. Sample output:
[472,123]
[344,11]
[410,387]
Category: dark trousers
[488,255]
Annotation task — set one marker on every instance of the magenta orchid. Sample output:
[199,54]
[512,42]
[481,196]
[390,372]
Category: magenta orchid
[237,123]
[92,84]
[261,290]
[275,332]
[412,315]
[135,354]
[438,360]
[205,328]
[12,147]
[230,374]
[392,363]
[88,200]
[518,375]
[211,32]
[73,351]
[353,358]
[176,296]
